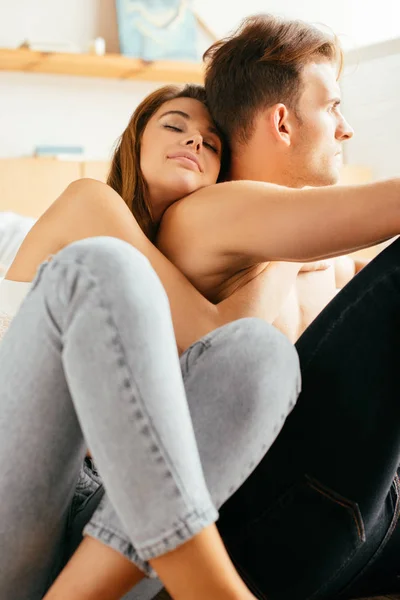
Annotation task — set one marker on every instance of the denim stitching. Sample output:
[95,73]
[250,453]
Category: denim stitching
[204,344]
[382,545]
[160,545]
[116,340]
[347,504]
[106,536]
[121,359]
[168,541]
[147,431]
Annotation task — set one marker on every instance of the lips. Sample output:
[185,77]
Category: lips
[187,156]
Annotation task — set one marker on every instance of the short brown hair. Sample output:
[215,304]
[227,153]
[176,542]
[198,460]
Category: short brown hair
[260,65]
[125,175]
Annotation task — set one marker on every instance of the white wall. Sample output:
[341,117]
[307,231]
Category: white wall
[48,109]
[360,22]
[59,110]
[371,100]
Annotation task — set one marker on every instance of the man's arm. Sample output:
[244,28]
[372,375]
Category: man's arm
[241,223]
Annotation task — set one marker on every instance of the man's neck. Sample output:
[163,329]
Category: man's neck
[247,166]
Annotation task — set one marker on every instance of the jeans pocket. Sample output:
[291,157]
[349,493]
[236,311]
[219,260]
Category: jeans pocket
[299,545]
[366,582]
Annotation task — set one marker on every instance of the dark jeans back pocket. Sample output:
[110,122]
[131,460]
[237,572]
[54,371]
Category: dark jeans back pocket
[299,546]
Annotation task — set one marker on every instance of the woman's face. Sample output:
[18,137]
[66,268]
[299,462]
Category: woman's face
[180,152]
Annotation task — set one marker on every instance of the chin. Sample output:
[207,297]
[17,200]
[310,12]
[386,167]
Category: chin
[327,178]
[188,186]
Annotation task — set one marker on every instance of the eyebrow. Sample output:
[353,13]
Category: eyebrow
[211,129]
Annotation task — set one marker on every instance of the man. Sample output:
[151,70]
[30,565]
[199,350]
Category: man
[294,140]
[319,515]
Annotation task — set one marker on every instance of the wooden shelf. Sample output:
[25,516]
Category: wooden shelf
[114,66]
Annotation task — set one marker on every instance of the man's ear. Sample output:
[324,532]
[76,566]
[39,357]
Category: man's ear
[280,124]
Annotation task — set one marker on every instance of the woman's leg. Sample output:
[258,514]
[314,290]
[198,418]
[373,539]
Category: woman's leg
[241,382]
[93,339]
[86,326]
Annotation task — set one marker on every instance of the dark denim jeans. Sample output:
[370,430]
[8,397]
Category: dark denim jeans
[318,518]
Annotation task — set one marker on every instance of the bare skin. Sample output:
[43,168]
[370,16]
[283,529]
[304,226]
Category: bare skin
[287,152]
[309,154]
[236,242]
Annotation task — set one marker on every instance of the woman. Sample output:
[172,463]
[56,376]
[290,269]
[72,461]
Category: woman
[99,367]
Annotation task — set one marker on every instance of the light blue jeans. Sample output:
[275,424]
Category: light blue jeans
[90,360]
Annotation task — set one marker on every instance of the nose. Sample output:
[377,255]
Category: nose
[195,142]
[344,131]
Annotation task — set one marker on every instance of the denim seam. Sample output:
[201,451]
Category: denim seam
[107,537]
[78,262]
[205,345]
[347,504]
[120,350]
[99,491]
[384,541]
[136,399]
[188,526]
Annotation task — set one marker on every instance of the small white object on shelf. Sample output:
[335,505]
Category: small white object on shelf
[97,46]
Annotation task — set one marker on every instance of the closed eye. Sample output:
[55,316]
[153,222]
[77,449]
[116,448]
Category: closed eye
[172,127]
[207,144]
[212,147]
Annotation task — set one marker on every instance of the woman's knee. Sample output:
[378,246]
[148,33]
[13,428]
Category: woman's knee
[266,349]
[251,359]
[109,260]
[268,362]
[103,252]
[116,271]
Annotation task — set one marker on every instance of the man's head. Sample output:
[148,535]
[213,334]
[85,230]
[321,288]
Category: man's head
[272,88]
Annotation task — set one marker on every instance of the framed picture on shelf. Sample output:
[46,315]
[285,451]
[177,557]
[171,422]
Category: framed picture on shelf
[160,29]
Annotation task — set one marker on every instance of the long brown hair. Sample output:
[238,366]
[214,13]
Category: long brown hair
[125,175]
[260,65]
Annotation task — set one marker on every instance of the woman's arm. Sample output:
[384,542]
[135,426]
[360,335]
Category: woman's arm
[89,208]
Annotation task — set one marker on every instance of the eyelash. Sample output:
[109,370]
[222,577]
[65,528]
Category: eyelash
[210,146]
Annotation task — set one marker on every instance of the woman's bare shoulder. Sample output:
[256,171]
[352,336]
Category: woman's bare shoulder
[86,208]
